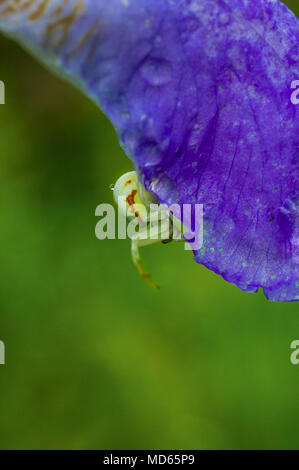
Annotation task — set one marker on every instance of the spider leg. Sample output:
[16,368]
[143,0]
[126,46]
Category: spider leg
[135,244]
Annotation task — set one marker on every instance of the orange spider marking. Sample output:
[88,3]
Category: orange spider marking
[131,197]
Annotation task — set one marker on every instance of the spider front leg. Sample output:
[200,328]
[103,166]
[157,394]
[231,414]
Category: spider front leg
[158,229]
[136,258]
[155,222]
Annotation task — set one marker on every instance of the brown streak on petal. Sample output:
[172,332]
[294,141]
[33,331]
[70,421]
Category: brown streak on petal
[66,23]
[26,5]
[94,46]
[38,13]
[85,38]
[59,9]
[11,9]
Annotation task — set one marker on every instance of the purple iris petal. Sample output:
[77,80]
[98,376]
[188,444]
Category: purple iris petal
[200,94]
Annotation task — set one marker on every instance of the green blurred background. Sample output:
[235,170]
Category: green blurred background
[94,357]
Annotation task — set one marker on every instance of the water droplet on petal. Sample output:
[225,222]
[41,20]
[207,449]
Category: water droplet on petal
[156,72]
[165,189]
[224,18]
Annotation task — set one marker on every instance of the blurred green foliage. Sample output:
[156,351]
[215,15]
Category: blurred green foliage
[95,358]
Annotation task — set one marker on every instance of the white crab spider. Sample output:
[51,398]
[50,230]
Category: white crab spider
[155,222]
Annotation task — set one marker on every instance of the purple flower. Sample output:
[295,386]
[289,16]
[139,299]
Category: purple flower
[199,92]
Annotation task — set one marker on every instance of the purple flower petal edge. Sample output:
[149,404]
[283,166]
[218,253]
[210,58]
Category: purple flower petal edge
[200,94]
